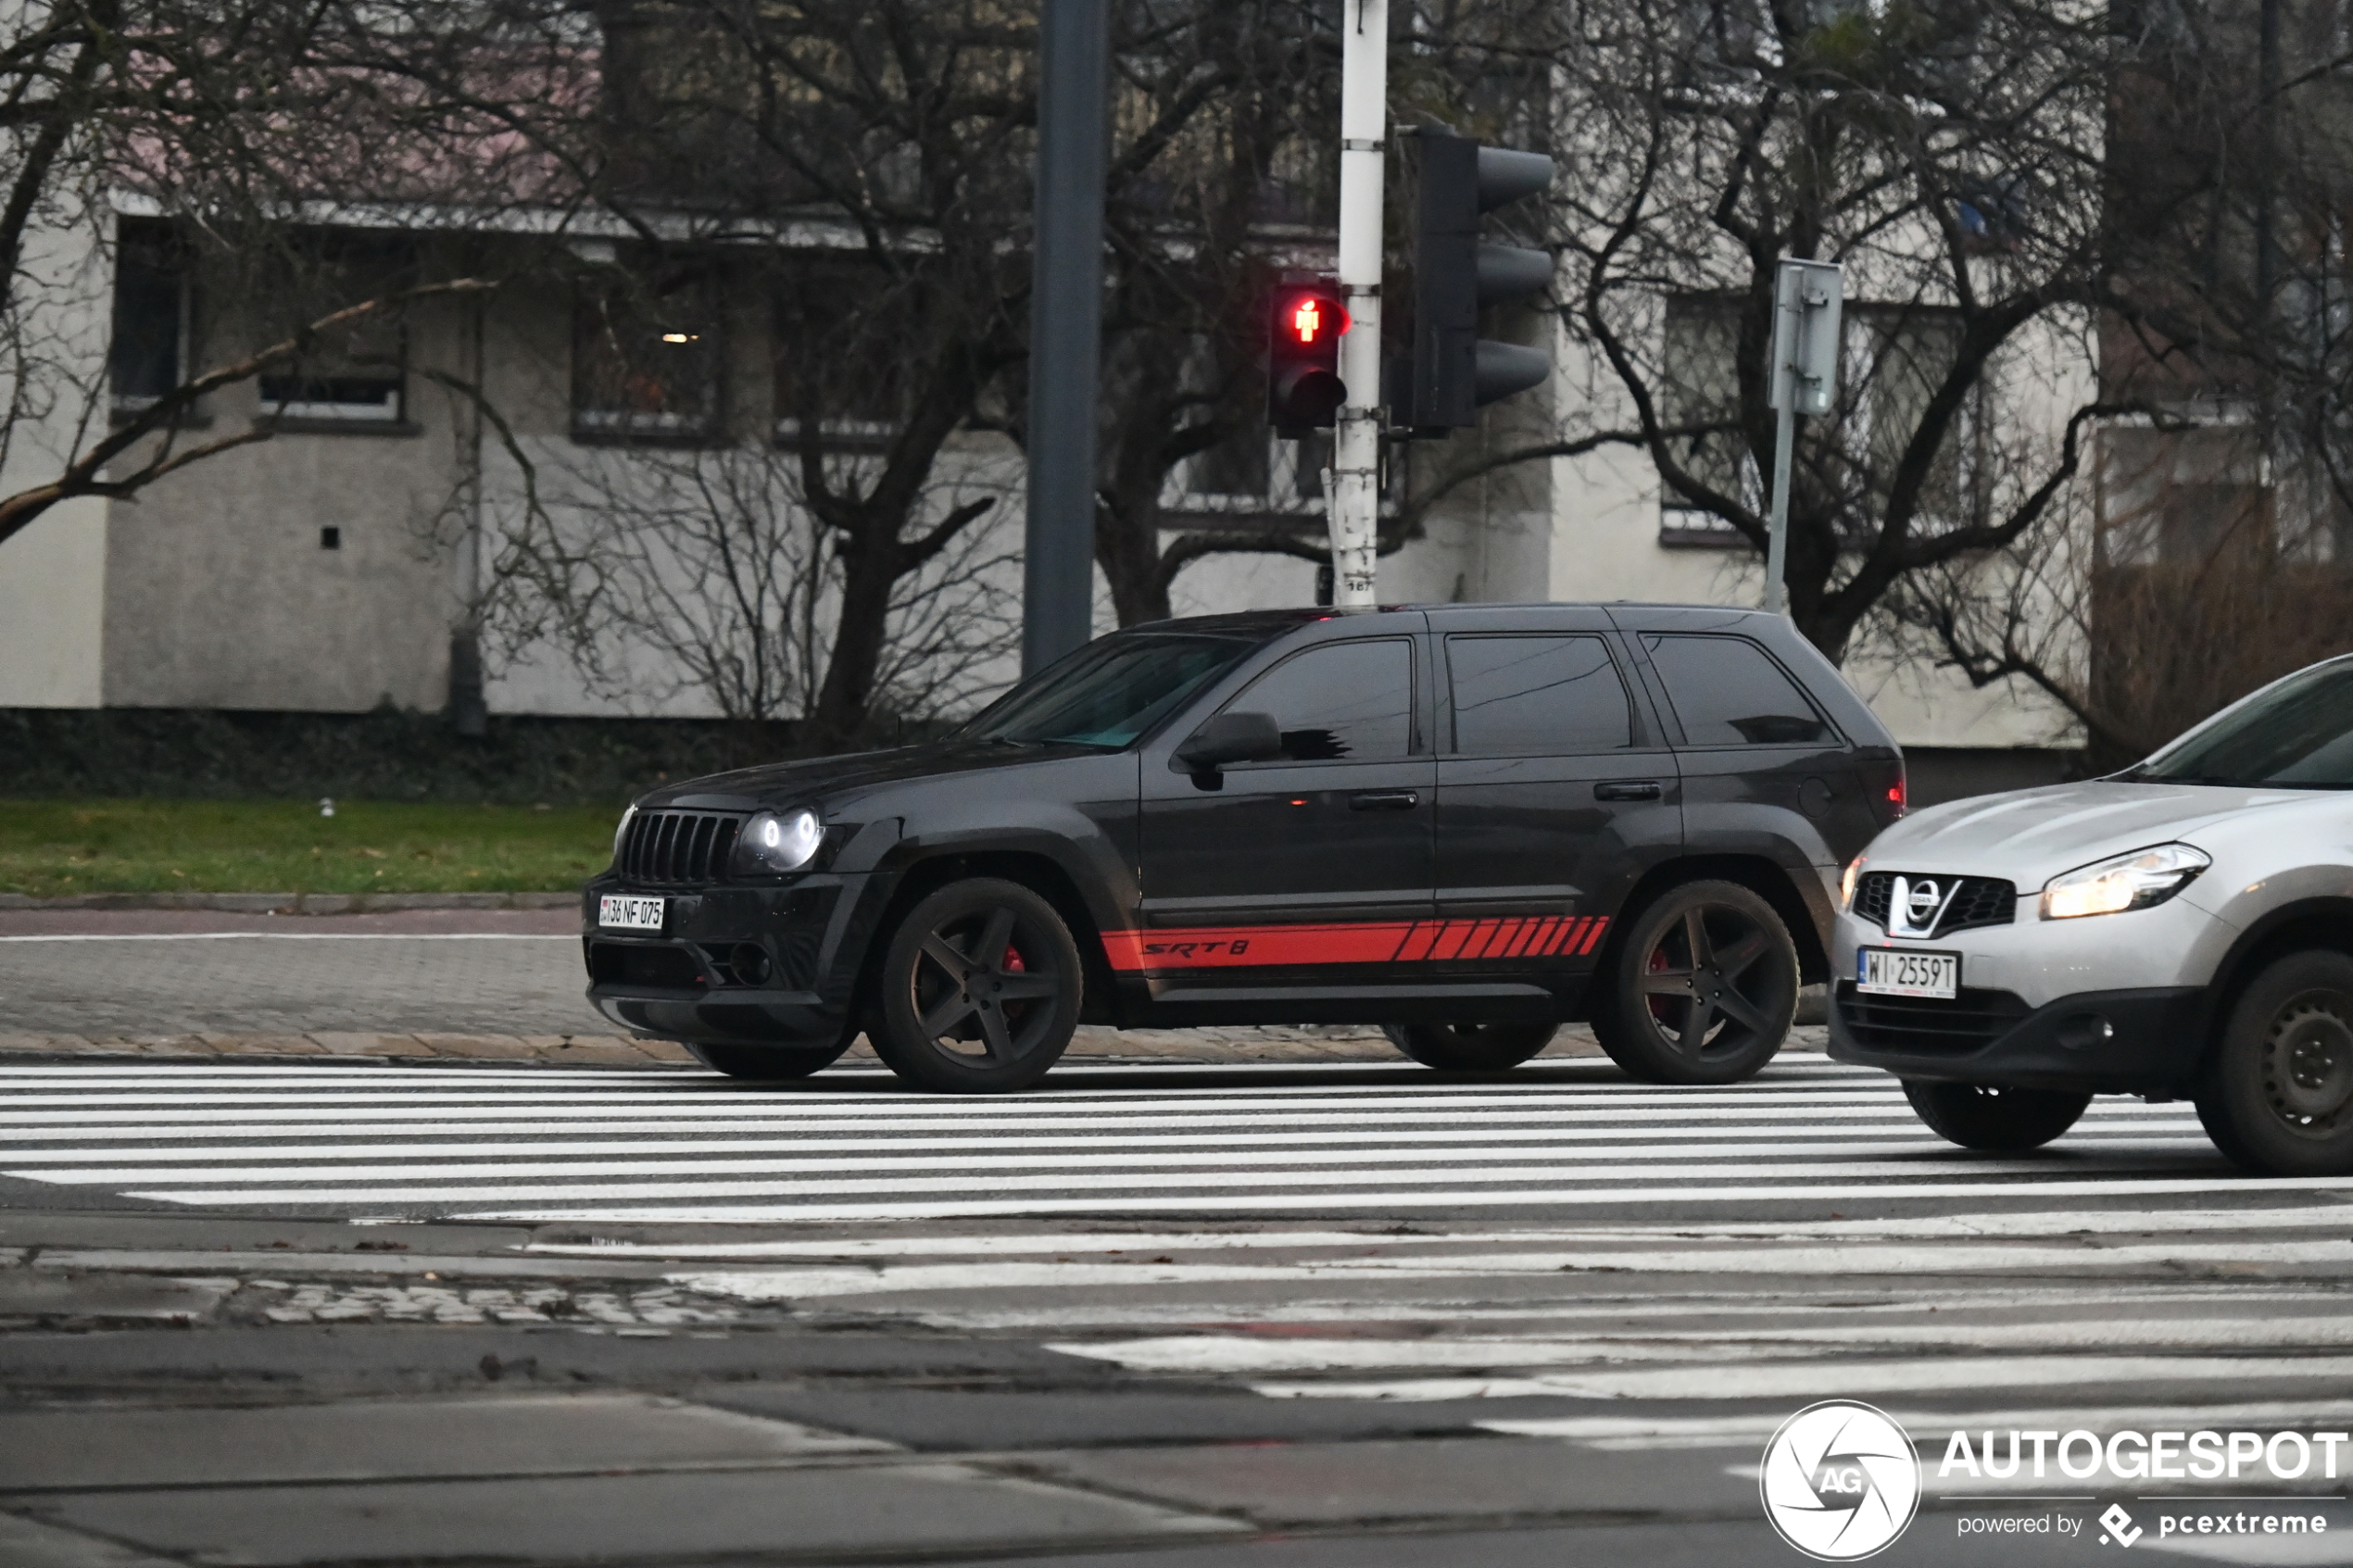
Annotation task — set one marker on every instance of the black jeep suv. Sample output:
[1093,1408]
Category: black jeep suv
[1467,823]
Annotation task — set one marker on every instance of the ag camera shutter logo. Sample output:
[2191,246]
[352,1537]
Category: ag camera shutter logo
[1840,1481]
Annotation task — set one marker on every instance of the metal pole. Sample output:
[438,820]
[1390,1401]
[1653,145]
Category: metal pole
[1777,546]
[1363,120]
[1065,330]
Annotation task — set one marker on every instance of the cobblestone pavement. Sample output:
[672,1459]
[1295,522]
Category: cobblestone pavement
[479,985]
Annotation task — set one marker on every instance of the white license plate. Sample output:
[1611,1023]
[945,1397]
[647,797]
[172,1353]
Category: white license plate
[1884,971]
[629,914]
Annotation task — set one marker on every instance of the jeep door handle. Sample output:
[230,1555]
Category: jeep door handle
[1628,789]
[1384,800]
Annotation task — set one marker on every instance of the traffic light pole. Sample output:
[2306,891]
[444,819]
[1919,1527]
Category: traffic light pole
[1354,490]
[1065,330]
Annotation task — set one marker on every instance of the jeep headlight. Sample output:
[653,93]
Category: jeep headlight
[623,831]
[2132,881]
[774,843]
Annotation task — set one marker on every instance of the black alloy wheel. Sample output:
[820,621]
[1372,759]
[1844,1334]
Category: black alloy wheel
[1702,989]
[2277,1096]
[1995,1116]
[1470,1047]
[767,1064]
[980,990]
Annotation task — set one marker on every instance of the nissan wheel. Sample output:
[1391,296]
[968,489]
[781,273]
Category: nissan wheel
[2277,1096]
[980,990]
[1994,1116]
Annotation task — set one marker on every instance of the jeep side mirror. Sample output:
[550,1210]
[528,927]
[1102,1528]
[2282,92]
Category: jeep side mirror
[1231,737]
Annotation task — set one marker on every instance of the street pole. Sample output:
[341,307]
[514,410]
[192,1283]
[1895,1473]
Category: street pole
[1065,330]
[1777,539]
[1801,378]
[1363,120]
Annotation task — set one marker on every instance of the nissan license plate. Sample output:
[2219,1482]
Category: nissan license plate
[1884,971]
[622,913]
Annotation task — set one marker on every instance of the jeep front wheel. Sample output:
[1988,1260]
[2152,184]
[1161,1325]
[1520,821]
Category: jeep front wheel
[1701,987]
[980,990]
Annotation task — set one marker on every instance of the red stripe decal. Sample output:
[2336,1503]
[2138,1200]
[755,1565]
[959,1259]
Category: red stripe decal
[1230,946]
[1371,941]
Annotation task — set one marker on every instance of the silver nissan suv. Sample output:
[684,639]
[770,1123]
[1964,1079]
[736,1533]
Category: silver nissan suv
[2181,930]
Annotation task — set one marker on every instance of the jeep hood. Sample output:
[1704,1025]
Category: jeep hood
[817,780]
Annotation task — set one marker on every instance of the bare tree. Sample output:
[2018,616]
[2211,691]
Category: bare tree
[248,123]
[714,562]
[1953,157]
[2211,553]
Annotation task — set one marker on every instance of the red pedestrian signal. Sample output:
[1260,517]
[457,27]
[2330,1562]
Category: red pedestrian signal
[1312,317]
[1304,388]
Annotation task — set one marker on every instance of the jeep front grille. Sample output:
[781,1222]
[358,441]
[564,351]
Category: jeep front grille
[682,847]
[1982,900]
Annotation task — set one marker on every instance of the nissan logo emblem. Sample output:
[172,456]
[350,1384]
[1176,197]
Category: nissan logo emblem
[1921,903]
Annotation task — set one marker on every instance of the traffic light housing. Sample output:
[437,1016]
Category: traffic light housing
[1304,321]
[1449,370]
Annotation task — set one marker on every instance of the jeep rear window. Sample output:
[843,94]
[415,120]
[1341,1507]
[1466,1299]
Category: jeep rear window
[2296,734]
[1109,692]
[1728,692]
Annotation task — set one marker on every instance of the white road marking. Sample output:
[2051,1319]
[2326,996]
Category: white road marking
[1879,1191]
[1123,1155]
[1805,1381]
[692,1139]
[2087,1221]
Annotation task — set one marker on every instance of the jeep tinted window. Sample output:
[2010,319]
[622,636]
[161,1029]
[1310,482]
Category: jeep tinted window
[1728,692]
[1352,700]
[1518,696]
[1109,692]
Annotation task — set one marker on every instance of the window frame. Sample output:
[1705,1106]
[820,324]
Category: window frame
[1416,743]
[594,295]
[1453,723]
[1681,739]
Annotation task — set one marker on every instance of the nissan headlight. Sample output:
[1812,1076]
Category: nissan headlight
[2133,881]
[776,843]
[623,831]
[1852,874]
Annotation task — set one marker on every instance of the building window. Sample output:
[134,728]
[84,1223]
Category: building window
[1698,390]
[357,374]
[150,348]
[844,367]
[646,358]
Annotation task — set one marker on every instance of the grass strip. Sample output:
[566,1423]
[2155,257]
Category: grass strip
[52,848]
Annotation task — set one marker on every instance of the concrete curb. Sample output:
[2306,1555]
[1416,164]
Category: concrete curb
[295,903]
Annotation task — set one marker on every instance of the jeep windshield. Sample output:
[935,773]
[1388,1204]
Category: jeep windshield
[1109,692]
[2296,734]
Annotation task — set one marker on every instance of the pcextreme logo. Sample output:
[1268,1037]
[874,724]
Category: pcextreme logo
[1840,1481]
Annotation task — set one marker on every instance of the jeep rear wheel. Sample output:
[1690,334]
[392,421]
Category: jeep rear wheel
[1470,1047]
[980,990]
[1994,1116]
[1702,989]
[2277,1096]
[766,1064]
